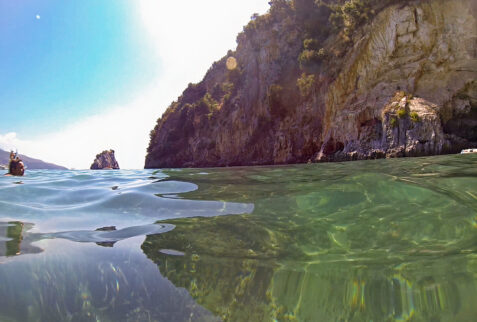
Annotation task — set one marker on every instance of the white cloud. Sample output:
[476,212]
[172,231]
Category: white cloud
[9,141]
[188,36]
[124,129]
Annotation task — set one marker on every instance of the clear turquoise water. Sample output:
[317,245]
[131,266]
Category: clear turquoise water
[385,240]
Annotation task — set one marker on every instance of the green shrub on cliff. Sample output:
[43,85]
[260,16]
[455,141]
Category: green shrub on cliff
[350,15]
[310,60]
[322,54]
[355,12]
[336,19]
[227,89]
[401,113]
[312,16]
[393,122]
[306,84]
[209,102]
[279,7]
[414,117]
[311,44]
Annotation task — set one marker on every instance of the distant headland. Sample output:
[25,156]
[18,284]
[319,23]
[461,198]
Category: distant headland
[30,163]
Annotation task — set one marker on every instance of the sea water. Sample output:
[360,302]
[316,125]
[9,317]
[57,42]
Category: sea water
[384,240]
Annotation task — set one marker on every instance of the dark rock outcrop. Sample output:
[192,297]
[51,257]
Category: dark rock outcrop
[278,99]
[105,160]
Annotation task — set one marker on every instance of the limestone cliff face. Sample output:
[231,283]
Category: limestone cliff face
[426,48]
[405,85]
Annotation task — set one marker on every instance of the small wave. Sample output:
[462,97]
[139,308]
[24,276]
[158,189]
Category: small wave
[69,200]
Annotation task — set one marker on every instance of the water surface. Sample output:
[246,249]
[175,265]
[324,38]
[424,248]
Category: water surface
[381,240]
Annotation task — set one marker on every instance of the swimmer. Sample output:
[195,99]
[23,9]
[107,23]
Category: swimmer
[16,166]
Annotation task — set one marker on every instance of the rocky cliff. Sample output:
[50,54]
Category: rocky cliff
[105,160]
[331,80]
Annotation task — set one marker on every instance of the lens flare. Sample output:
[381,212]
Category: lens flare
[231,63]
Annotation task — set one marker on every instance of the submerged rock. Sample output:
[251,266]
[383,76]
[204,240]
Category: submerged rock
[105,160]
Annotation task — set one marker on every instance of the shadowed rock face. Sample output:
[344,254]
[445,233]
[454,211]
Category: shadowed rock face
[105,160]
[255,113]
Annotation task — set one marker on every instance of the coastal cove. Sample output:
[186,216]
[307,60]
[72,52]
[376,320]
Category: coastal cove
[367,240]
[238,161]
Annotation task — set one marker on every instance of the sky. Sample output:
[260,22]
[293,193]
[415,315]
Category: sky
[80,77]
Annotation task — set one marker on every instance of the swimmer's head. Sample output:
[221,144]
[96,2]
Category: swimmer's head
[16,168]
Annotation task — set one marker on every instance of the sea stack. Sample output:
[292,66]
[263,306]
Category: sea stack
[105,161]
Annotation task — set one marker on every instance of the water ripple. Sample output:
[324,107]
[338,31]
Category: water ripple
[62,200]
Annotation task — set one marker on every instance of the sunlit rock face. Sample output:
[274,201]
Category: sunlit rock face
[105,160]
[427,49]
[249,110]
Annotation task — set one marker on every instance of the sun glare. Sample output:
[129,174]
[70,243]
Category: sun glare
[231,63]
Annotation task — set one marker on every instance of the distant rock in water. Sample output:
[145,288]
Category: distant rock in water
[105,160]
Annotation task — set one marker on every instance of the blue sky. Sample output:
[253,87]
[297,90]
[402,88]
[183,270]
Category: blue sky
[66,58]
[82,76]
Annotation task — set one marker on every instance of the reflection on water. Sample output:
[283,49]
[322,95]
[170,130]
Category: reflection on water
[387,240]
[110,235]
[16,238]
[83,282]
[259,275]
[14,241]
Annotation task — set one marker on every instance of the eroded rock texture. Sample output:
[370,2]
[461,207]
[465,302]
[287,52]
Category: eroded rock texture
[405,85]
[105,160]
